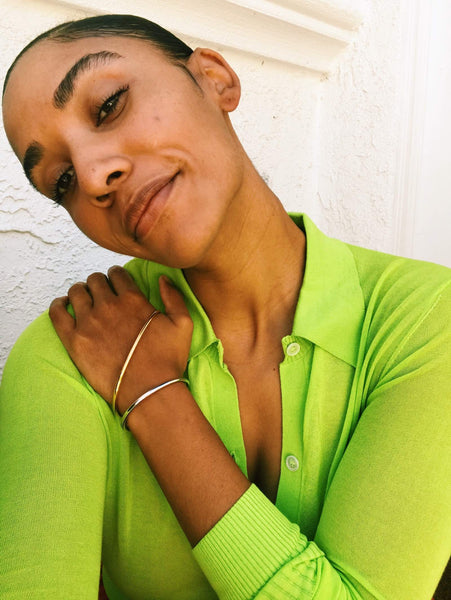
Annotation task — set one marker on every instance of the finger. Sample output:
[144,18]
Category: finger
[99,287]
[80,298]
[173,301]
[62,321]
[121,280]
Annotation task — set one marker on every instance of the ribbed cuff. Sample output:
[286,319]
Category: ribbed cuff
[251,542]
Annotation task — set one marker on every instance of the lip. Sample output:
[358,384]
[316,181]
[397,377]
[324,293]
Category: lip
[147,202]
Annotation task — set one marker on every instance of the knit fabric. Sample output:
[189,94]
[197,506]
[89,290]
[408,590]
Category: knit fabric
[362,509]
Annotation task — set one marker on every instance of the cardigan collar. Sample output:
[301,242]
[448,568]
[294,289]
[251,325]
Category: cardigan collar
[330,307]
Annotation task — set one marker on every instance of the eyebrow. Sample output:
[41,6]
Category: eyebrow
[65,89]
[63,93]
[32,157]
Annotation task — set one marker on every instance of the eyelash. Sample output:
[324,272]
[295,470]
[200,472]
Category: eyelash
[56,194]
[108,106]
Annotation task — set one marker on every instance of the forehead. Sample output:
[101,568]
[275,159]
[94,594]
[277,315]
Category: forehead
[61,55]
[39,71]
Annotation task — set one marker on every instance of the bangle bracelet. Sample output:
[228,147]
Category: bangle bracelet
[146,395]
[129,356]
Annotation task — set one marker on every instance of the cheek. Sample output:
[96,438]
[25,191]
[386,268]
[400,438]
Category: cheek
[90,223]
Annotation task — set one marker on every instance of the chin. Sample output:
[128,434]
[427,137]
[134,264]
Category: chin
[181,247]
[177,255]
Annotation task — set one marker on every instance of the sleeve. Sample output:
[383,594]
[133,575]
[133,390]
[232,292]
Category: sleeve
[385,528]
[53,457]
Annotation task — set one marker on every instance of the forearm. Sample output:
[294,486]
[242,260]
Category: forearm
[194,469]
[243,543]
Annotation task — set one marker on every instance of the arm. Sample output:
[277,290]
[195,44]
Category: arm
[52,473]
[247,548]
[385,528]
[394,479]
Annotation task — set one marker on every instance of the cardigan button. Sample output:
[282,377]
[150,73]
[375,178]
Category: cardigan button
[292,463]
[293,349]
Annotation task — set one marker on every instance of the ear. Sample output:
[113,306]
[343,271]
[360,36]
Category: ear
[215,77]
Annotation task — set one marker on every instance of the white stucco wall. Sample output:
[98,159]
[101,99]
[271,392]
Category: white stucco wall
[359,134]
[328,145]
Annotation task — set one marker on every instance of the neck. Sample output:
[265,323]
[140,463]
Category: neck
[249,283]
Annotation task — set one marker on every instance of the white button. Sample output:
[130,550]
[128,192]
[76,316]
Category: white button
[292,463]
[293,349]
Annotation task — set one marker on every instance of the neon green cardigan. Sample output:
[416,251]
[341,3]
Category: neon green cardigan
[362,509]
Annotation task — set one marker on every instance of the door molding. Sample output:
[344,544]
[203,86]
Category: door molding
[305,33]
[414,74]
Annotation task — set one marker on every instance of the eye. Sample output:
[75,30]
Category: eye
[109,106]
[63,185]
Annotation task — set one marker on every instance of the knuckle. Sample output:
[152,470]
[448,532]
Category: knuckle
[116,269]
[186,321]
[53,309]
[105,310]
[96,276]
[76,287]
[57,302]
[54,302]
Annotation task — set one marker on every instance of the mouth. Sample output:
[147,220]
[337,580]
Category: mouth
[146,204]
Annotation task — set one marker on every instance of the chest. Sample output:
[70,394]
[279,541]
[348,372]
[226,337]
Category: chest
[313,396]
[260,408]
[284,423]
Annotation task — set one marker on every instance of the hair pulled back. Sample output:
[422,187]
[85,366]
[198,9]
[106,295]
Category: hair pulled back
[113,25]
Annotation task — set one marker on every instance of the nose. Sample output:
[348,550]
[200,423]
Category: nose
[100,175]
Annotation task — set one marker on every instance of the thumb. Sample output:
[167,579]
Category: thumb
[173,301]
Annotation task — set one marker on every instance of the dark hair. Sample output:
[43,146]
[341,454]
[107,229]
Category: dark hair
[111,25]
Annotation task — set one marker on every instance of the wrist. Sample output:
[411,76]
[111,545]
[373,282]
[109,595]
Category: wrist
[155,403]
[137,384]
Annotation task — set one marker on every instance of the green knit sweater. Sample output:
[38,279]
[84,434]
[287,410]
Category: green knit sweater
[362,509]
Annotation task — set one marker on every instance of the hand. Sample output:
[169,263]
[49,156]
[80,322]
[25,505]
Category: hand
[108,315]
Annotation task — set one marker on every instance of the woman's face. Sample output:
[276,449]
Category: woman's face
[142,157]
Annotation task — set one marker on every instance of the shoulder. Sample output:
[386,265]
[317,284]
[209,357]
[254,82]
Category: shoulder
[406,330]
[41,384]
[146,274]
[404,287]
[393,275]
[38,354]
[38,345]
[143,273]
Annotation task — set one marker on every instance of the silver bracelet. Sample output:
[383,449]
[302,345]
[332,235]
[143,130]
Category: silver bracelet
[146,395]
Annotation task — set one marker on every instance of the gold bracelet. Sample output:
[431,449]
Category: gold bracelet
[129,357]
[146,395]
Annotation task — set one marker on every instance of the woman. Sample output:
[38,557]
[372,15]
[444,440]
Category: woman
[298,443]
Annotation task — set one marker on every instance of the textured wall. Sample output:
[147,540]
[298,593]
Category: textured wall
[359,134]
